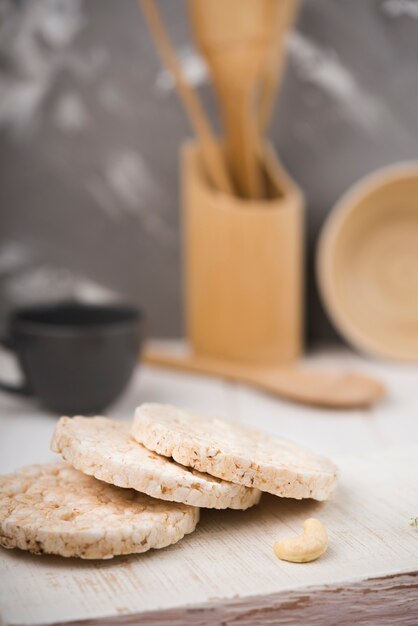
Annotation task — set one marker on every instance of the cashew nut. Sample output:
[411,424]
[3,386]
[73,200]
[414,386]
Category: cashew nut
[306,547]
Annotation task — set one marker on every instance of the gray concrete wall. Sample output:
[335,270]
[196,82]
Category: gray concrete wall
[90,127]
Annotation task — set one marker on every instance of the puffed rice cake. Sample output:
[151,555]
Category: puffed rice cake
[233,452]
[104,448]
[55,509]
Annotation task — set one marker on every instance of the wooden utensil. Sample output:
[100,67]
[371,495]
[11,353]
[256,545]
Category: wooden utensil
[235,37]
[243,266]
[340,390]
[367,263]
[213,157]
[273,70]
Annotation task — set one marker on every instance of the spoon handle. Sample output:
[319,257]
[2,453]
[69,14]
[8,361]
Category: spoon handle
[213,157]
[323,388]
[275,61]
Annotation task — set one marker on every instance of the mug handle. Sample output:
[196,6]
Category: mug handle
[23,388]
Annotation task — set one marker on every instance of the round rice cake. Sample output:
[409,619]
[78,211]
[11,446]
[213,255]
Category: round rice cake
[105,449]
[55,509]
[236,453]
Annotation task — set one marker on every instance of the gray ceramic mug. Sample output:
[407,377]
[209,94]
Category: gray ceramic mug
[75,358]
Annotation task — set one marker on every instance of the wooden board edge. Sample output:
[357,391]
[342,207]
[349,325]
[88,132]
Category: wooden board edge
[384,601]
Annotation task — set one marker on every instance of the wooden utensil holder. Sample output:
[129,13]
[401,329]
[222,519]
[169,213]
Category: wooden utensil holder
[243,262]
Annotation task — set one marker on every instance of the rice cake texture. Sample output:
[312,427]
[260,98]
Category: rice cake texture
[55,509]
[233,452]
[105,449]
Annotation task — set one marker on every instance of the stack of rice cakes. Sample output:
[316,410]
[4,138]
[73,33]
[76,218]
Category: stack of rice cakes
[124,488]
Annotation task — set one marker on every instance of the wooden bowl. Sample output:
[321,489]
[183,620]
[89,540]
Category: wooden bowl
[367,263]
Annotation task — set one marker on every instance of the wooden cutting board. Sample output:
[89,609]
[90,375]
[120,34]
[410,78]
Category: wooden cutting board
[226,572]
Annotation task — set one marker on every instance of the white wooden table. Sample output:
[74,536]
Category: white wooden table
[226,572]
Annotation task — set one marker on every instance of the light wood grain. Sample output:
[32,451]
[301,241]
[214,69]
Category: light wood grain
[272,75]
[226,572]
[235,39]
[367,263]
[384,601]
[232,554]
[243,267]
[325,388]
[234,73]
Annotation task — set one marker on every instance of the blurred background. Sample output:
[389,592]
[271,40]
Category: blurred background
[90,127]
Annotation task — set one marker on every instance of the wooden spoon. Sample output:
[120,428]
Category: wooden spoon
[273,70]
[212,155]
[338,390]
[235,38]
